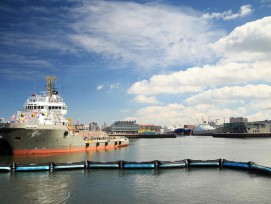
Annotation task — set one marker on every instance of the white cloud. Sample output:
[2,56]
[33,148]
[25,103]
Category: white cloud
[237,85]
[232,94]
[148,35]
[114,86]
[245,59]
[100,87]
[198,79]
[124,110]
[180,114]
[146,99]
[228,15]
[250,42]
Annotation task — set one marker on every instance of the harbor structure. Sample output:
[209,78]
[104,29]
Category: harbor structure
[149,129]
[238,119]
[124,127]
[241,128]
[248,127]
[94,127]
[131,129]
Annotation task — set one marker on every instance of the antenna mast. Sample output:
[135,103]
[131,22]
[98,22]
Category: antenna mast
[50,84]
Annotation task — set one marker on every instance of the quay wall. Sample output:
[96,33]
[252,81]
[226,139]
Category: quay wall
[241,135]
[145,135]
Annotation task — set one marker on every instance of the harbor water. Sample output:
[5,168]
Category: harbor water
[193,185]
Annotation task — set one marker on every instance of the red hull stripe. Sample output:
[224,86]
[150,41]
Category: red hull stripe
[71,149]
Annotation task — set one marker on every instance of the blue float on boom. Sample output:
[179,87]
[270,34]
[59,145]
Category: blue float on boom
[156,164]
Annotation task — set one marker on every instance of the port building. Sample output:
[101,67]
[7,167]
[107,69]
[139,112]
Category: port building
[149,129]
[124,127]
[248,127]
[238,119]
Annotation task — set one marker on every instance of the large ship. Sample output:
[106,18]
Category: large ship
[41,127]
[207,129]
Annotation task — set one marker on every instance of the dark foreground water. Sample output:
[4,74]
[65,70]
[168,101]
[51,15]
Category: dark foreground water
[146,186]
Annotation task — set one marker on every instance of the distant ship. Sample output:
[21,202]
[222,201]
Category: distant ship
[183,131]
[207,129]
[41,127]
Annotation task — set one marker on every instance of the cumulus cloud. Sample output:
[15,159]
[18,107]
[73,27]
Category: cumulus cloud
[184,115]
[235,66]
[148,35]
[146,99]
[250,42]
[198,79]
[229,15]
[237,85]
[100,87]
[232,94]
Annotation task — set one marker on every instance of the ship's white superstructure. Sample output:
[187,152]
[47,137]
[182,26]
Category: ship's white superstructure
[46,108]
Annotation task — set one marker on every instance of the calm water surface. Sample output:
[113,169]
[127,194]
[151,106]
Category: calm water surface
[146,186]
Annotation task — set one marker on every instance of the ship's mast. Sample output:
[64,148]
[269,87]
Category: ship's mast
[50,84]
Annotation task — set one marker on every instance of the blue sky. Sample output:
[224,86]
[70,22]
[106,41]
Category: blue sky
[158,62]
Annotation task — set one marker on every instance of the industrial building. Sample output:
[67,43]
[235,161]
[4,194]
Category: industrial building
[248,127]
[148,129]
[238,119]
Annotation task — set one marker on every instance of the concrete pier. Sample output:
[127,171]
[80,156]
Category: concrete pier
[169,135]
[242,135]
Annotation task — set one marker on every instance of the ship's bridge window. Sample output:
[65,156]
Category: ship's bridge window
[35,107]
[42,107]
[50,107]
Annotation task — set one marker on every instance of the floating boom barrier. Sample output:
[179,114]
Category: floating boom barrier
[156,164]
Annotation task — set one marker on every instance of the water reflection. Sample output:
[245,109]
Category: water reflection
[40,187]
